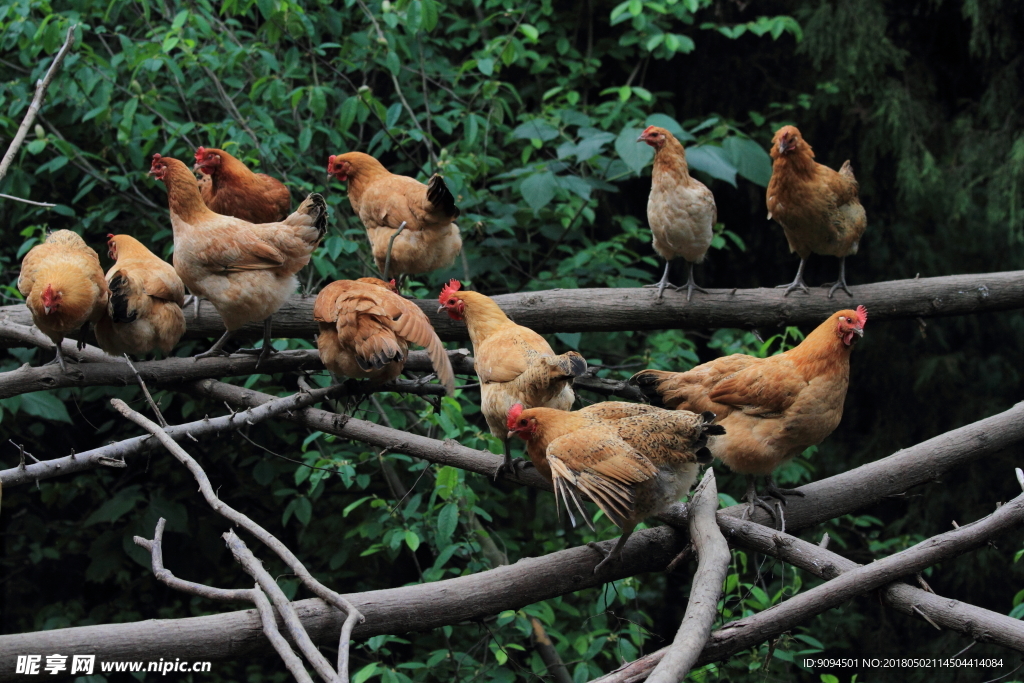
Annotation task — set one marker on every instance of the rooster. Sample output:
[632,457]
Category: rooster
[146,297]
[366,329]
[681,210]
[410,225]
[514,363]
[633,460]
[246,270]
[63,286]
[819,210]
[234,190]
[772,408]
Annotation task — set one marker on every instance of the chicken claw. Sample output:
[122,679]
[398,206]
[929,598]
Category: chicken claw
[754,501]
[511,466]
[841,282]
[662,283]
[690,285]
[614,555]
[218,348]
[798,281]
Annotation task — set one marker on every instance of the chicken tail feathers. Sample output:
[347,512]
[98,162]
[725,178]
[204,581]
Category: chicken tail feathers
[119,304]
[568,366]
[649,384]
[315,207]
[441,197]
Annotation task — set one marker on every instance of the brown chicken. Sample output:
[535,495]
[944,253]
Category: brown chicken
[772,408]
[63,286]
[514,363]
[633,460]
[246,270]
[234,190]
[410,225]
[681,210]
[366,329]
[146,297]
[818,209]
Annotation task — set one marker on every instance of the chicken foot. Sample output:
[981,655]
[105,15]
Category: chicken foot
[798,281]
[690,284]
[513,467]
[218,348]
[615,554]
[754,501]
[663,282]
[391,243]
[60,359]
[841,282]
[267,349]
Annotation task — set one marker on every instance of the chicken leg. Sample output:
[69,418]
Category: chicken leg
[391,243]
[616,553]
[690,284]
[841,282]
[218,348]
[754,501]
[662,283]
[798,281]
[509,465]
[267,349]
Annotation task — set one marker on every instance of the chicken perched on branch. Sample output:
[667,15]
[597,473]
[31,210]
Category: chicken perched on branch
[234,190]
[366,329]
[63,286]
[146,296]
[772,408]
[681,210]
[410,225]
[514,363]
[633,460]
[247,270]
[818,208]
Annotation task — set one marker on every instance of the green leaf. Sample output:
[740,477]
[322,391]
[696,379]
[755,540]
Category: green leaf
[45,405]
[486,66]
[116,507]
[393,63]
[749,158]
[671,125]
[365,673]
[538,190]
[447,521]
[531,32]
[317,101]
[636,155]
[412,540]
[713,161]
[537,129]
[429,15]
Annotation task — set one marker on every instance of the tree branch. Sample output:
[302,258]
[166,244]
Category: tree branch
[609,309]
[706,589]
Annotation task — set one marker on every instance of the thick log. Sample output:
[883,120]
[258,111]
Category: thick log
[608,310]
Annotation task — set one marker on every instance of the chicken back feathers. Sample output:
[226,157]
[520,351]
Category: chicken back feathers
[234,190]
[247,270]
[146,296]
[63,285]
[366,329]
[514,363]
[632,460]
[819,209]
[383,201]
[681,210]
[772,408]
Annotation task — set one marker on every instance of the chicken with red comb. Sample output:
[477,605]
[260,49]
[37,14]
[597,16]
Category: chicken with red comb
[235,190]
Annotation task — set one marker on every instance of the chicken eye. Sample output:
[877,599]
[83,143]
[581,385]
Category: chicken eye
[522,423]
[451,302]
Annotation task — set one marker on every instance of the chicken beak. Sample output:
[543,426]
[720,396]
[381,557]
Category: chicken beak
[859,331]
[46,310]
[440,309]
[510,435]
[641,138]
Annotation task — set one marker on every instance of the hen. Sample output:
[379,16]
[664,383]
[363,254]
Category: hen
[772,408]
[633,460]
[366,329]
[819,209]
[63,286]
[514,363]
[246,270]
[410,225]
[234,190]
[681,210]
[146,296]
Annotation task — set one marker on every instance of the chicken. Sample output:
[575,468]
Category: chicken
[772,408]
[818,209]
[633,460]
[234,190]
[514,363]
[681,210]
[366,329]
[410,225]
[63,286]
[146,297]
[246,270]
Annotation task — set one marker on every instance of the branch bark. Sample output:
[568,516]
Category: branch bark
[607,309]
[706,589]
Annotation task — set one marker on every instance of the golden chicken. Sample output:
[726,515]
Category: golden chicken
[633,460]
[366,329]
[514,363]
[819,209]
[772,408]
[410,225]
[681,210]
[234,190]
[146,296]
[246,270]
[63,286]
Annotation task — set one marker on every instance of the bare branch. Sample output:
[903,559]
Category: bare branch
[712,567]
[25,201]
[547,651]
[291,660]
[610,309]
[145,390]
[37,102]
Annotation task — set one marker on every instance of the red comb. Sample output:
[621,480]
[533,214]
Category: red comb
[513,414]
[199,153]
[157,157]
[647,130]
[449,289]
[110,236]
[862,315]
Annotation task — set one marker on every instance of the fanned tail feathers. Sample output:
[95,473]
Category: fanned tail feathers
[649,383]
[315,207]
[118,306]
[707,429]
[440,196]
[569,365]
